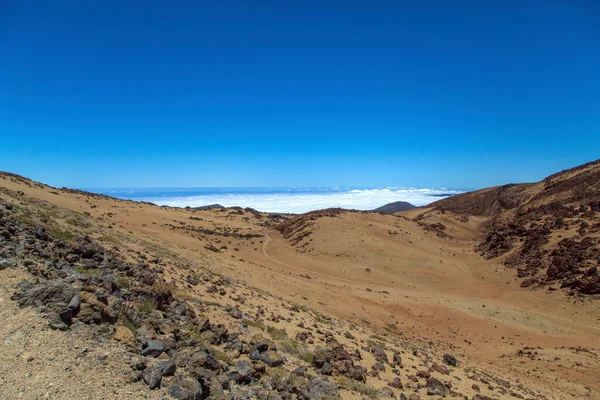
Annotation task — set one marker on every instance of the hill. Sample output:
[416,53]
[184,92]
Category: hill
[395,207]
[133,300]
[549,231]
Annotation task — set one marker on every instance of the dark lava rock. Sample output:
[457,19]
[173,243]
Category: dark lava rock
[75,304]
[442,369]
[379,367]
[396,383]
[397,360]
[185,389]
[358,373]
[245,370]
[320,388]
[326,369]
[261,347]
[5,264]
[53,291]
[167,368]
[450,360]
[436,388]
[271,358]
[152,377]
[138,364]
[153,348]
[300,371]
[380,355]
[23,285]
[205,360]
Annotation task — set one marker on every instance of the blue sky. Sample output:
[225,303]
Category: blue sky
[275,93]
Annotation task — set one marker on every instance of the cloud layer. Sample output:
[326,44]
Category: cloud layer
[300,202]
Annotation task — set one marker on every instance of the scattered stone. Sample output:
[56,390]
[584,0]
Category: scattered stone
[245,371]
[271,358]
[450,360]
[185,389]
[436,388]
[320,388]
[167,368]
[396,383]
[152,377]
[300,371]
[379,354]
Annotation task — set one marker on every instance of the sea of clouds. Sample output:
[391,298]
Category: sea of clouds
[289,201]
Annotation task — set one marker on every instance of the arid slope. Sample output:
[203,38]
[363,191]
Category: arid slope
[408,281]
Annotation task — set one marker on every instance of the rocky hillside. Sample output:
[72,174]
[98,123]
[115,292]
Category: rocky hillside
[549,231]
[298,228]
[158,324]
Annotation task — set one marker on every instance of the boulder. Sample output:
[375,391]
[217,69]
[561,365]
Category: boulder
[271,358]
[185,389]
[396,383]
[153,348]
[320,388]
[450,360]
[52,291]
[436,388]
[167,368]
[152,377]
[379,354]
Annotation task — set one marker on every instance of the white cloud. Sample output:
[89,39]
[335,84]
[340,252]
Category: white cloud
[290,202]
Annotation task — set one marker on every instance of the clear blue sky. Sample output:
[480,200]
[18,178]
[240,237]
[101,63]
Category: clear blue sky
[310,93]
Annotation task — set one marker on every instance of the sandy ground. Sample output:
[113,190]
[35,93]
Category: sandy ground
[435,290]
[39,363]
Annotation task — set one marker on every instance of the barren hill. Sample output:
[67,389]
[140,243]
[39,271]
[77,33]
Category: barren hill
[549,231]
[395,207]
[106,298]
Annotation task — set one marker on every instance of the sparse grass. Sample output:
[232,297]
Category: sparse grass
[359,387]
[63,234]
[24,220]
[79,222]
[129,322]
[294,347]
[86,271]
[280,378]
[372,343]
[276,334]
[209,303]
[124,282]
[378,338]
[301,307]
[226,281]
[147,306]
[319,318]
[221,355]
[390,327]
[202,341]
[256,324]
[110,239]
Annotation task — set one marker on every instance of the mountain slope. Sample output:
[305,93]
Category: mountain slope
[549,231]
[359,298]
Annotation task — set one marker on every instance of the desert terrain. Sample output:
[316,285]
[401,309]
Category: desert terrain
[415,300]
